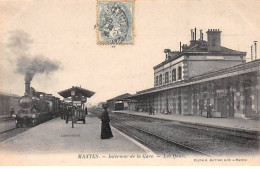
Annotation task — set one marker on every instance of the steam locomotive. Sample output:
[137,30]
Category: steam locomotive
[36,107]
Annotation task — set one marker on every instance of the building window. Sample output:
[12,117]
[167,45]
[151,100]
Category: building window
[166,77]
[160,80]
[179,73]
[174,75]
[156,81]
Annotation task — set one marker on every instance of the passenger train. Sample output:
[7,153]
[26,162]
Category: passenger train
[36,108]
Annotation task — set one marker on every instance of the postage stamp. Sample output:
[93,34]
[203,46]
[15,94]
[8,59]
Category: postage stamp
[115,22]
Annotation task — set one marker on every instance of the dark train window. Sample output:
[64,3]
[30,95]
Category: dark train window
[179,72]
[174,75]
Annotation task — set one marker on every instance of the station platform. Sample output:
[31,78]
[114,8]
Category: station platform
[55,139]
[238,124]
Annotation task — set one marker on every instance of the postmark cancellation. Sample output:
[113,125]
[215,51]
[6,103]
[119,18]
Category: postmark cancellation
[115,22]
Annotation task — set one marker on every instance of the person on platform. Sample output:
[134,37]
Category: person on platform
[86,110]
[150,110]
[105,127]
[209,109]
[67,114]
[12,112]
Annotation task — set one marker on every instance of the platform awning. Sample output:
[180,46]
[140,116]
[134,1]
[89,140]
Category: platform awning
[84,92]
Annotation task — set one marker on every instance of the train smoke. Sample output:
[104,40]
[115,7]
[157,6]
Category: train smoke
[26,64]
[30,67]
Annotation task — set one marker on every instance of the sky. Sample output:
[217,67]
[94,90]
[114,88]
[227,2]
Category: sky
[62,32]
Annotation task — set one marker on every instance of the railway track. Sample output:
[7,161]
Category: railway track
[8,130]
[6,119]
[167,136]
[151,140]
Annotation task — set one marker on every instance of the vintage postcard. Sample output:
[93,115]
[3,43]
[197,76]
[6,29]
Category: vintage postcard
[129,83]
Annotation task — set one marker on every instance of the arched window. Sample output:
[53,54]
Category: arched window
[179,73]
[166,77]
[173,75]
[156,81]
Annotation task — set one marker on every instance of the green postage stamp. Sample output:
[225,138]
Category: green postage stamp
[115,22]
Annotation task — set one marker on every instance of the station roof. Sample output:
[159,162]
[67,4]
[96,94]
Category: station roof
[8,94]
[200,48]
[253,66]
[67,93]
[121,97]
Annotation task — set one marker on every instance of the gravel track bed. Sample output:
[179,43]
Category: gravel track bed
[152,141]
[11,133]
[210,142]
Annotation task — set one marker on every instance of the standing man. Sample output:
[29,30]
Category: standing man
[150,110]
[67,114]
[209,109]
[12,112]
[86,110]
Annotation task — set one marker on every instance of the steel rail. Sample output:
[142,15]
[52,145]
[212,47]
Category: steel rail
[165,139]
[137,138]
[2,132]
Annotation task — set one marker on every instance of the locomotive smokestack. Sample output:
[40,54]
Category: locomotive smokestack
[27,87]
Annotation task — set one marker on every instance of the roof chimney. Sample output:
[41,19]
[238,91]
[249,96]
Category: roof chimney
[166,51]
[195,33]
[214,40]
[191,34]
[201,34]
[255,50]
[252,53]
[180,46]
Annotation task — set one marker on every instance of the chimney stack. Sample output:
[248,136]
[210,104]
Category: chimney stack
[214,40]
[195,33]
[255,50]
[191,34]
[252,53]
[180,46]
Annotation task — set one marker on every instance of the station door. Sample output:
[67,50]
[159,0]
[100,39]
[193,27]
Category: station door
[119,106]
[222,106]
[230,104]
[179,104]
[248,102]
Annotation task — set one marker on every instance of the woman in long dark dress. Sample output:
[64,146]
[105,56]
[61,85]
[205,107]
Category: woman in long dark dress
[105,128]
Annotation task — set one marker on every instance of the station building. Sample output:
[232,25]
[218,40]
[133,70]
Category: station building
[200,73]
[119,102]
[7,102]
